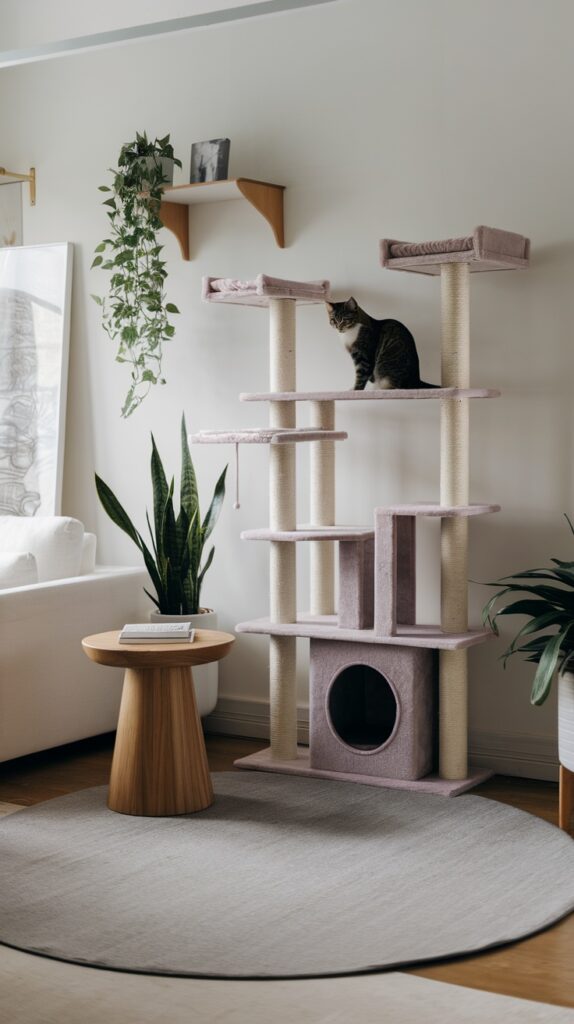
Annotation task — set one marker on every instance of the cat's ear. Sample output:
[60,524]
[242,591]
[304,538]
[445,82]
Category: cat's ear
[329,306]
[351,304]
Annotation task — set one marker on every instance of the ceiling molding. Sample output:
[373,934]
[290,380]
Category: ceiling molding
[135,33]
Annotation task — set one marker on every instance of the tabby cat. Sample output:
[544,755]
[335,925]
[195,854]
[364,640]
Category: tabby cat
[383,351]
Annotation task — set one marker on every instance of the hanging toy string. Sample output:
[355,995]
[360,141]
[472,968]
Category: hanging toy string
[236,503]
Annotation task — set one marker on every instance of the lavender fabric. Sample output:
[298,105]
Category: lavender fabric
[262,288]
[399,249]
[486,249]
[280,877]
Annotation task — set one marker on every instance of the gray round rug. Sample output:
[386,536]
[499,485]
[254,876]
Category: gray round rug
[281,877]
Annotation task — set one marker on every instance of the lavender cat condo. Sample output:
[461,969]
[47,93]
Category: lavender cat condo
[384,709]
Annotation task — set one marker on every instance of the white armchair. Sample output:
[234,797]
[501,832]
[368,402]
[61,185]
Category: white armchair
[50,693]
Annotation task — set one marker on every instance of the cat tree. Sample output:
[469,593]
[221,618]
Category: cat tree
[373,700]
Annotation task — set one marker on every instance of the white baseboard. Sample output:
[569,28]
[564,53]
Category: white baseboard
[520,754]
[234,717]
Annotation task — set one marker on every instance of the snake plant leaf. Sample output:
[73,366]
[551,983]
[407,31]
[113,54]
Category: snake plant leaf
[215,507]
[547,666]
[116,512]
[189,498]
[569,521]
[153,569]
[208,562]
[152,598]
[154,546]
[168,533]
[159,486]
[173,593]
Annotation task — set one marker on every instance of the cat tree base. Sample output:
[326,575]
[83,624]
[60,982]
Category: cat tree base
[262,762]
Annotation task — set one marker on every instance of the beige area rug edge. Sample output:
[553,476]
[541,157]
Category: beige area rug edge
[36,990]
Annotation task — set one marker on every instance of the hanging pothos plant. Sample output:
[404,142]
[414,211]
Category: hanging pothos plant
[135,311]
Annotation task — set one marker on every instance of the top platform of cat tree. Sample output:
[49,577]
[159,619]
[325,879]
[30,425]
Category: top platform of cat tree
[262,289]
[486,249]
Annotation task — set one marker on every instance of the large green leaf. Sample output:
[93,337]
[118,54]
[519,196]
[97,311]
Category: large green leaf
[547,666]
[524,607]
[551,618]
[215,507]
[556,596]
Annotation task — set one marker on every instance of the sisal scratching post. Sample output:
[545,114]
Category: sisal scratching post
[454,490]
[282,516]
[322,511]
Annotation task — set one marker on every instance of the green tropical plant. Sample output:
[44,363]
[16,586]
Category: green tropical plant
[548,605]
[135,311]
[174,562]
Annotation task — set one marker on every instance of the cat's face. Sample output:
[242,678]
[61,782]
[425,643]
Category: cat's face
[343,315]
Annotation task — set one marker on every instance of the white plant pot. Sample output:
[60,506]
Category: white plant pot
[205,677]
[566,720]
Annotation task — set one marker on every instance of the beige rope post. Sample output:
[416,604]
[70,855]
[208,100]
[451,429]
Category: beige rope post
[454,490]
[322,511]
[282,516]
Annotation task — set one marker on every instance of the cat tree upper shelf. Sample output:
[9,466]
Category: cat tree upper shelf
[326,627]
[389,395]
[266,197]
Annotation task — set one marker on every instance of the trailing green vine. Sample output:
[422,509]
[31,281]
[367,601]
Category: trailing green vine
[135,311]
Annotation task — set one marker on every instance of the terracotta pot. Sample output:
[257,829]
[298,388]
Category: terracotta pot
[566,720]
[205,677]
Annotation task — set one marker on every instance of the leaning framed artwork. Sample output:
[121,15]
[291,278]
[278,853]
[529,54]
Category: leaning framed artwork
[35,293]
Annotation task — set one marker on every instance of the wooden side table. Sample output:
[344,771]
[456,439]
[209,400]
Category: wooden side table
[159,765]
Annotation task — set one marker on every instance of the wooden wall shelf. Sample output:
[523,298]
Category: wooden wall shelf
[264,196]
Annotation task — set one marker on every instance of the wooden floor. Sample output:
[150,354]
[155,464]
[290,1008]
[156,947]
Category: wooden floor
[539,968]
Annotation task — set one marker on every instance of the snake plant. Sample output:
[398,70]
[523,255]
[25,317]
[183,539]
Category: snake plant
[174,562]
[548,604]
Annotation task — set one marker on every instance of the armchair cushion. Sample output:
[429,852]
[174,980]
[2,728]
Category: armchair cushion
[55,542]
[17,570]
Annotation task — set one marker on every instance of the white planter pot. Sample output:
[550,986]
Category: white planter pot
[205,677]
[566,720]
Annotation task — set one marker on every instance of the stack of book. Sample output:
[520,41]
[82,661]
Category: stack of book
[157,633]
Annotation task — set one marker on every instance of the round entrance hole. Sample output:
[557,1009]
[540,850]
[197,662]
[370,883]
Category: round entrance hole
[362,707]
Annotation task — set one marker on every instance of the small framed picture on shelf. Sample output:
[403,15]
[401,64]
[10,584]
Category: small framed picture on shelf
[209,161]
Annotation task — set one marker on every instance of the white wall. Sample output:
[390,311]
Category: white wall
[412,120]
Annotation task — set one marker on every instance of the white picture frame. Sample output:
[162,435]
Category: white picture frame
[35,296]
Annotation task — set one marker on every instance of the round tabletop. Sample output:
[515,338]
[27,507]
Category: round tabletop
[208,645]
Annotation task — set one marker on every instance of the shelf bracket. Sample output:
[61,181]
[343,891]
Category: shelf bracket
[268,201]
[176,218]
